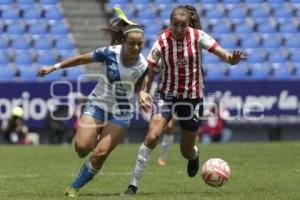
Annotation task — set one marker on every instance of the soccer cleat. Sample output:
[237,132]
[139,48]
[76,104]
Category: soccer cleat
[193,165]
[161,162]
[71,192]
[131,190]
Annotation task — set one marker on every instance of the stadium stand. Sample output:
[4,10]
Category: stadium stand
[260,27]
[29,29]
[257,26]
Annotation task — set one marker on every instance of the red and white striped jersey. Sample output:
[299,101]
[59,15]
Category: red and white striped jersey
[181,74]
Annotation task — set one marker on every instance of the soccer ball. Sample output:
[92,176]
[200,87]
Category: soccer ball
[215,172]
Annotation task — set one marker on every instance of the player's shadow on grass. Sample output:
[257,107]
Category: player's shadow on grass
[99,194]
[146,194]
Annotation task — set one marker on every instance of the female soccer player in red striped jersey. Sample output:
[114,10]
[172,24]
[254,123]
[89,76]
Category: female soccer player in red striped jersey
[181,88]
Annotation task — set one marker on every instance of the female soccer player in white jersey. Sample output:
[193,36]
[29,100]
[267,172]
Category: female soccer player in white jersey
[181,88]
[108,110]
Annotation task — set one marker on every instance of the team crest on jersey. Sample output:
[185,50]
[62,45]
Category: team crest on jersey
[135,75]
[181,62]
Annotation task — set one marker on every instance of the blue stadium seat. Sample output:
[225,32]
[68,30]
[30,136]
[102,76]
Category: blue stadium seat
[10,15]
[184,2]
[295,57]
[282,73]
[147,17]
[23,60]
[23,4]
[141,4]
[32,15]
[237,73]
[5,4]
[237,15]
[210,59]
[153,29]
[28,74]
[271,43]
[231,4]
[15,30]
[165,16]
[3,44]
[260,15]
[228,42]
[64,44]
[53,16]
[243,28]
[20,43]
[162,4]
[250,43]
[74,73]
[292,42]
[48,3]
[288,28]
[276,3]
[213,15]
[56,75]
[221,28]
[3,60]
[266,28]
[7,74]
[42,44]
[277,57]
[45,59]
[58,30]
[254,3]
[67,54]
[282,14]
[255,57]
[208,4]
[215,74]
[1,28]
[259,73]
[37,30]
[297,74]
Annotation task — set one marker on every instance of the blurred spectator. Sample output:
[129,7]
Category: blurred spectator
[57,127]
[213,127]
[14,129]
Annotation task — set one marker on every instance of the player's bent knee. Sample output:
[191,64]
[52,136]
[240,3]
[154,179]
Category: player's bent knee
[82,150]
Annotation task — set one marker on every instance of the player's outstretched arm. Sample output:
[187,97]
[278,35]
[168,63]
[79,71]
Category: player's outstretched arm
[230,58]
[71,62]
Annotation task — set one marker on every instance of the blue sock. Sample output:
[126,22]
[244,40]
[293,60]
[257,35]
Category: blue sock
[87,172]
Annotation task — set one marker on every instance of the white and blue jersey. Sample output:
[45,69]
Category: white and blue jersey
[114,91]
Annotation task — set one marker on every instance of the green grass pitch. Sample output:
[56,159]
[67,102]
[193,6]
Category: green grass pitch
[259,171]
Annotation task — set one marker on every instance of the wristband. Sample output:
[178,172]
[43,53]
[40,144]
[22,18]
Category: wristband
[57,66]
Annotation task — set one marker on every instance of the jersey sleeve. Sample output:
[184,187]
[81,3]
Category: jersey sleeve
[100,54]
[154,55]
[207,42]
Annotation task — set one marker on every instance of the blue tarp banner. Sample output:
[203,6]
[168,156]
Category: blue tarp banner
[247,101]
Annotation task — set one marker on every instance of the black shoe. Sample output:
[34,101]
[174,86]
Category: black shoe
[131,190]
[193,166]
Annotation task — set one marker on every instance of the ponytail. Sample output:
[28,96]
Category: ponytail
[115,29]
[120,27]
[194,17]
